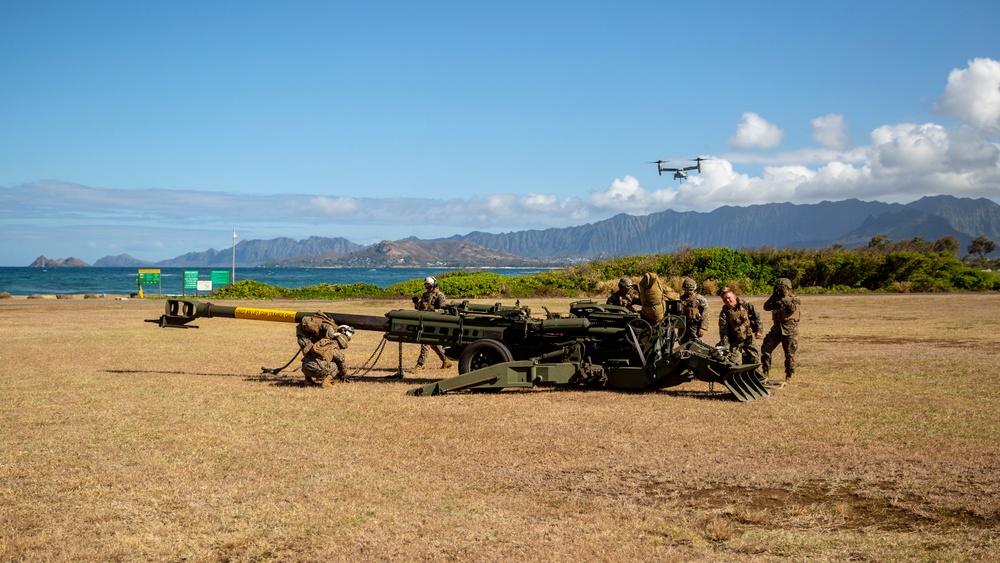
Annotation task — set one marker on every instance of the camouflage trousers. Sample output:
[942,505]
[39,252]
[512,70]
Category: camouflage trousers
[320,373]
[789,345]
[749,354]
[424,348]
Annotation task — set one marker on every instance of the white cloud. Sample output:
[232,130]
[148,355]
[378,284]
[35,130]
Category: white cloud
[908,147]
[333,206]
[973,95]
[831,132]
[968,149]
[755,132]
[623,194]
[839,174]
[807,156]
[541,202]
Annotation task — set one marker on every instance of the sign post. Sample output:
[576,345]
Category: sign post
[149,277]
[190,281]
[219,278]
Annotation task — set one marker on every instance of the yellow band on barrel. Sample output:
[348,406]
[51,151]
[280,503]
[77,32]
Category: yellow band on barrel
[265,314]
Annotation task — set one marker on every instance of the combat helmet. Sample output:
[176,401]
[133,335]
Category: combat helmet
[625,283]
[785,282]
[689,284]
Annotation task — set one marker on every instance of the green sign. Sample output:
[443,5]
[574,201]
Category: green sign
[149,277]
[190,279]
[220,277]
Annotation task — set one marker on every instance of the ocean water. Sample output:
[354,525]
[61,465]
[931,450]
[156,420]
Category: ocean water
[122,281]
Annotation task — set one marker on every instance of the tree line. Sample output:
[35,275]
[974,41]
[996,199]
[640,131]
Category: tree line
[884,265]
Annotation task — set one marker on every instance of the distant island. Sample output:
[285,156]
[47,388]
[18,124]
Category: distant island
[43,262]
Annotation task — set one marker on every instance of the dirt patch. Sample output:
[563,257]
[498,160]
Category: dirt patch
[869,340]
[833,506]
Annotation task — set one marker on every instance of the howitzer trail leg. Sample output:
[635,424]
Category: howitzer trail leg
[464,381]
[524,373]
[745,386]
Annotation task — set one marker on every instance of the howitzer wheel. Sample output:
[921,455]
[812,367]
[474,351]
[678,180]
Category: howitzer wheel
[483,353]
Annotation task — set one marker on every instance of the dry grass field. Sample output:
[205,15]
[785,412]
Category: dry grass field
[123,441]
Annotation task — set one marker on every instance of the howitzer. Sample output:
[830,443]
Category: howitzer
[500,346]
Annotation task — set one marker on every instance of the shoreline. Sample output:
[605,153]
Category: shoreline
[66,296]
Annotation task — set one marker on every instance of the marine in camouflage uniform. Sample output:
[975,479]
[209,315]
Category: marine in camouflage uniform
[694,308]
[626,296]
[739,326]
[322,343]
[785,312]
[431,300]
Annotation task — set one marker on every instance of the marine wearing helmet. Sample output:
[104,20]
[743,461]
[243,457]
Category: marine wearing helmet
[694,307]
[786,312]
[626,296]
[431,300]
[322,343]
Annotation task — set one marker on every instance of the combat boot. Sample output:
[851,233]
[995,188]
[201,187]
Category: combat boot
[419,368]
[444,359]
[788,377]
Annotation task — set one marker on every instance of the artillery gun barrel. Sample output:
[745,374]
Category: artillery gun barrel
[180,312]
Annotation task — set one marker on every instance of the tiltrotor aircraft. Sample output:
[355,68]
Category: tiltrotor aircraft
[679,173]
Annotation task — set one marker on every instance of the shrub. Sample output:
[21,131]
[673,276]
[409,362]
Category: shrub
[249,289]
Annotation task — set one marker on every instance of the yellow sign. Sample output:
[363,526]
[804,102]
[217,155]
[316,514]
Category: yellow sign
[264,314]
[148,277]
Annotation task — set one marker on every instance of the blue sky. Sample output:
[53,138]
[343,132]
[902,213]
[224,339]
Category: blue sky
[154,129]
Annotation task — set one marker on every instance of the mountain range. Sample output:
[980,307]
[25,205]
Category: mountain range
[781,225]
[849,222]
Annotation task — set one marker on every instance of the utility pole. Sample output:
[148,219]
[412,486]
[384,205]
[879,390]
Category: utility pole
[232,274]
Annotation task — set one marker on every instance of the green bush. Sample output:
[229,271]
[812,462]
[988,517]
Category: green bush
[336,291]
[465,285]
[725,267]
[249,289]
[841,267]
[551,284]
